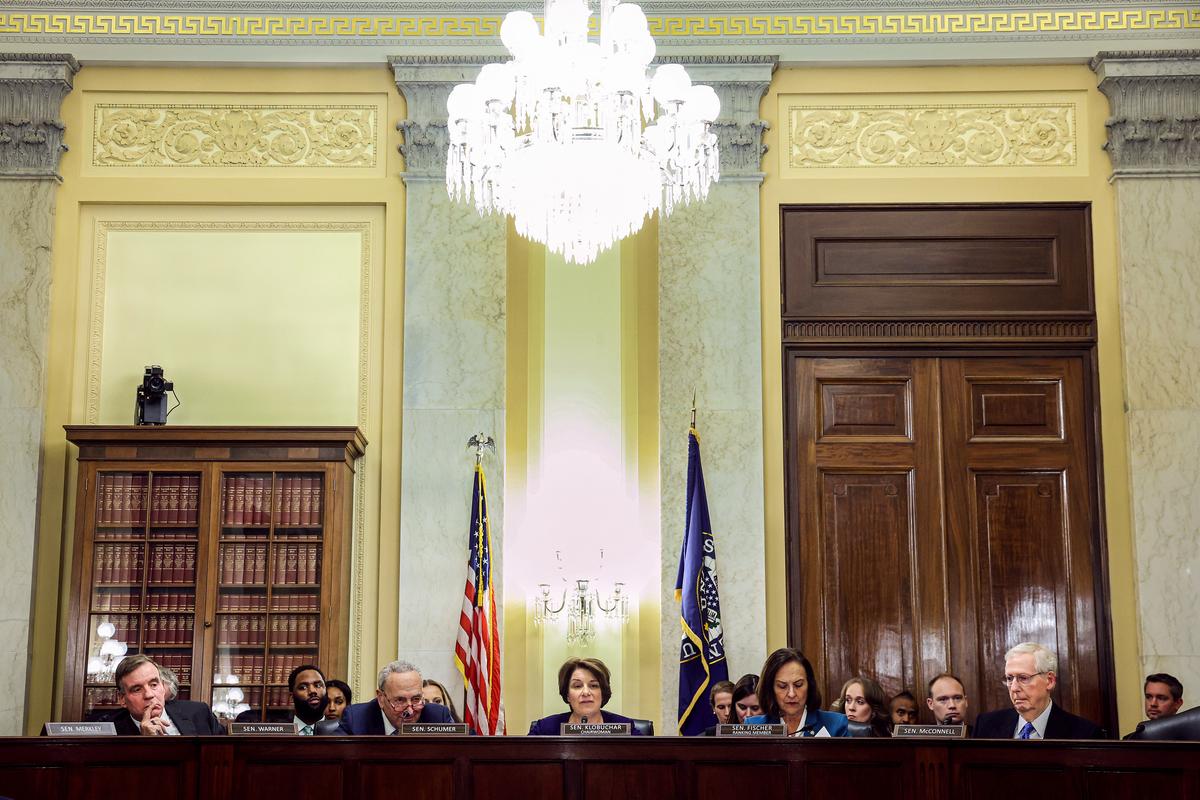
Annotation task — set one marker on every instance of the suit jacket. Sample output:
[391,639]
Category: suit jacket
[837,724]
[549,726]
[1062,724]
[190,717]
[366,719]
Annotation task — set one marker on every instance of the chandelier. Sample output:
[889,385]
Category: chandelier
[580,609]
[572,138]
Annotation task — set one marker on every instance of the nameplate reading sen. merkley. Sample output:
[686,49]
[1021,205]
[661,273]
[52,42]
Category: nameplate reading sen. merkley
[80,729]
[434,728]
[758,729]
[930,731]
[263,728]
[594,729]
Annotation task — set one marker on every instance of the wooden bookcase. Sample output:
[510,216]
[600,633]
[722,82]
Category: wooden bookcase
[223,553]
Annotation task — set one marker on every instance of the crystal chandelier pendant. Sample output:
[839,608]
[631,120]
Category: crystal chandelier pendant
[572,138]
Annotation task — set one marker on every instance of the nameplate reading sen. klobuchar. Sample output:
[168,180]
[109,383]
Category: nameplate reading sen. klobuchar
[930,731]
[263,728]
[80,729]
[434,728]
[594,729]
[757,729]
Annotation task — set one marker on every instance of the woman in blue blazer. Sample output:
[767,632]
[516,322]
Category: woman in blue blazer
[583,684]
[788,693]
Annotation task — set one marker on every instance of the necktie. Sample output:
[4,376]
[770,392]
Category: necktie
[306,730]
[1027,731]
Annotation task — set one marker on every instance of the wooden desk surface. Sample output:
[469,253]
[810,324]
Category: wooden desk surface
[340,768]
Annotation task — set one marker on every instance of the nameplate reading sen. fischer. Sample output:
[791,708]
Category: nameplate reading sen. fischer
[757,729]
[930,731]
[81,729]
[263,728]
[434,728]
[594,729]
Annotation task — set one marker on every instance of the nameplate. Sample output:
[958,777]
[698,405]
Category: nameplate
[434,728]
[930,731]
[594,729]
[757,729]
[80,729]
[263,728]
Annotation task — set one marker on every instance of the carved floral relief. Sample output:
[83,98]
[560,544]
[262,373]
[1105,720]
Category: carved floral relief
[932,136]
[234,136]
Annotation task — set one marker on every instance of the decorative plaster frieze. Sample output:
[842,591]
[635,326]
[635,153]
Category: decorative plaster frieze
[191,135]
[32,88]
[935,135]
[1154,129]
[426,82]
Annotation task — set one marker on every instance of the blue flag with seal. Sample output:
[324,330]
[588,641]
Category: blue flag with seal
[702,648]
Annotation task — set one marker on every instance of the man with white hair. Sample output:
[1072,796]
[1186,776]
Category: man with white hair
[398,700]
[1031,673]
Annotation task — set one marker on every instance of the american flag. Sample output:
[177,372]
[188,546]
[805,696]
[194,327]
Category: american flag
[477,652]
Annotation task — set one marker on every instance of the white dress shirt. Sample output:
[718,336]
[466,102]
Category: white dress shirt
[1039,724]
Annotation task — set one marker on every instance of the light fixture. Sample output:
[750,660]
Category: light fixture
[572,139]
[102,667]
[580,607]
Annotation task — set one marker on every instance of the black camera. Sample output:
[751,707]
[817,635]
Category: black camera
[151,406]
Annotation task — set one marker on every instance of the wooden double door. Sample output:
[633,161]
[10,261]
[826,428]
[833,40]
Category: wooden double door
[942,510]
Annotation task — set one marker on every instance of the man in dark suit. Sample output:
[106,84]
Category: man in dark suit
[1031,673]
[398,700]
[146,711]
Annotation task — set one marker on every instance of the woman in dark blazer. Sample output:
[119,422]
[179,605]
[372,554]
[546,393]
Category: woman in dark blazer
[583,684]
[788,693]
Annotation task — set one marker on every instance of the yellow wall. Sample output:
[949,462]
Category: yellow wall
[309,254]
[1087,180]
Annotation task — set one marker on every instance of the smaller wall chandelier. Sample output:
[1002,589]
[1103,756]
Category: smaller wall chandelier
[581,607]
[572,139]
[102,667]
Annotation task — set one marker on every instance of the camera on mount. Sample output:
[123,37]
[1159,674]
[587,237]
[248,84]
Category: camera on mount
[151,406]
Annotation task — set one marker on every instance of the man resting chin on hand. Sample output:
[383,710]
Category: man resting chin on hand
[146,710]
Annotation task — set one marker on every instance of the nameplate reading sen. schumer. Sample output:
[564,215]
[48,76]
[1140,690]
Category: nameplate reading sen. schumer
[263,728]
[930,731]
[758,729]
[80,729]
[434,728]
[594,729]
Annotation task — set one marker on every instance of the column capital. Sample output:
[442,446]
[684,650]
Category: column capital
[426,82]
[1154,96]
[739,82]
[32,88]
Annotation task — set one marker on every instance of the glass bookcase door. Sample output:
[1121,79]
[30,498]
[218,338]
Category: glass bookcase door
[143,579]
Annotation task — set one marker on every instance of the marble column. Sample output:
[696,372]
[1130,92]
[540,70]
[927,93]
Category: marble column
[454,369]
[32,87]
[1154,142]
[710,341]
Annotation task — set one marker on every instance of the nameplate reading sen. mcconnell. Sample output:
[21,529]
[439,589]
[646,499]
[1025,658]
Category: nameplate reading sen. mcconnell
[758,729]
[263,728]
[81,729]
[434,728]
[930,731]
[594,729]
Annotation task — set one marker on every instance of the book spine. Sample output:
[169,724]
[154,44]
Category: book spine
[239,500]
[260,564]
[239,564]
[290,570]
[318,492]
[305,500]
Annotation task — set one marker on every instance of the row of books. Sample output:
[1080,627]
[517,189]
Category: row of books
[251,668]
[293,629]
[284,629]
[131,600]
[247,500]
[106,696]
[279,602]
[155,533]
[242,630]
[118,563]
[172,563]
[121,499]
[175,629]
[293,563]
[179,663]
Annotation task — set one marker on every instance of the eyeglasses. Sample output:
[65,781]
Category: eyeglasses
[403,702]
[1023,680]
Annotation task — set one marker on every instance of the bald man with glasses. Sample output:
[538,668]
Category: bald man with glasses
[398,701]
[1030,674]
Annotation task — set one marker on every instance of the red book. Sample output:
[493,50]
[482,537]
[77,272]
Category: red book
[142,498]
[239,564]
[118,564]
[189,573]
[118,509]
[280,563]
[195,518]
[297,492]
[172,570]
[226,559]
[174,504]
[262,491]
[226,502]
[316,500]
[293,634]
[283,501]
[305,500]
[290,571]
[260,564]
[310,564]
[103,499]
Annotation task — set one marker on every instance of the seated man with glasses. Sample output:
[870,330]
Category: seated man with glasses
[398,700]
[1031,673]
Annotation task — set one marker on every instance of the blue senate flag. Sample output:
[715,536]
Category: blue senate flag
[702,649]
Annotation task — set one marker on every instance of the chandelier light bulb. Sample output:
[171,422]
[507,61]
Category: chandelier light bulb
[106,630]
[567,137]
